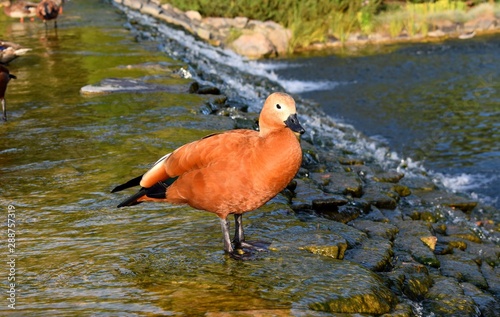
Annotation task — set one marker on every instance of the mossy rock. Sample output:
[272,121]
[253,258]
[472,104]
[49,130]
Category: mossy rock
[446,299]
[332,251]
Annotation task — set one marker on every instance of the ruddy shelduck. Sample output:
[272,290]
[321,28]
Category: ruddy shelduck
[231,172]
[5,77]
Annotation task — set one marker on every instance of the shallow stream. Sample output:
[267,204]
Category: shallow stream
[62,152]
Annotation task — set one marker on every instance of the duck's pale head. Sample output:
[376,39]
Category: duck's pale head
[279,111]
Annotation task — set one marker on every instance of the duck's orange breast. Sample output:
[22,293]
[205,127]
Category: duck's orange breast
[233,172]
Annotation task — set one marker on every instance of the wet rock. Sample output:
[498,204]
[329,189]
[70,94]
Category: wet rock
[429,241]
[208,90]
[346,183]
[408,240]
[411,279]
[388,177]
[492,275]
[310,238]
[400,310]
[442,248]
[368,296]
[424,214]
[374,254]
[376,229]
[379,198]
[332,251]
[450,242]
[447,199]
[446,298]
[488,305]
[462,233]
[352,236]
[402,190]
[329,203]
[418,183]
[305,192]
[375,214]
[342,214]
[462,268]
[251,313]
[350,161]
[484,252]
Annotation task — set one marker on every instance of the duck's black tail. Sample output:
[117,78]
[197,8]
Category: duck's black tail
[158,190]
[131,183]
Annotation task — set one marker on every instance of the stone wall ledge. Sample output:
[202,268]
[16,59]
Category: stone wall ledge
[257,39]
[251,38]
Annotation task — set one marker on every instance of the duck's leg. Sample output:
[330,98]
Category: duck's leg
[228,247]
[239,235]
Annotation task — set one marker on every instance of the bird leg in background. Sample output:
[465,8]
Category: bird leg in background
[4,111]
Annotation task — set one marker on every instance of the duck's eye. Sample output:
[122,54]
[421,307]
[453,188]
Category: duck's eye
[278,106]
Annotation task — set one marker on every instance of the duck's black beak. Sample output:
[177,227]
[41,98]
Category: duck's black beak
[293,123]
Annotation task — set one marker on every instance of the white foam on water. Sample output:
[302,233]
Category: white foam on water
[300,86]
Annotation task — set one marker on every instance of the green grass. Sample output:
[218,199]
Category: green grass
[316,20]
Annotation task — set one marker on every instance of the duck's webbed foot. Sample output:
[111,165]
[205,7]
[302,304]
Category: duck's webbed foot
[242,250]
[239,238]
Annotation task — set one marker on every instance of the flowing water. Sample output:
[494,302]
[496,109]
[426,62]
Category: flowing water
[434,103]
[75,254]
[70,251]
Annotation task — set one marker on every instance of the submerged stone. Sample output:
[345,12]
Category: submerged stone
[439,197]
[429,241]
[355,290]
[400,310]
[417,279]
[374,254]
[388,177]
[462,268]
[379,198]
[305,192]
[116,85]
[403,191]
[345,183]
[408,240]
[447,299]
[332,251]
[376,229]
[488,305]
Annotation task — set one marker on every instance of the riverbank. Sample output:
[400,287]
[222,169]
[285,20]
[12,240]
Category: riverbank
[257,39]
[411,245]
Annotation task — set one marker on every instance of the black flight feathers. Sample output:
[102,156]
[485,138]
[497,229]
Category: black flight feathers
[131,183]
[158,190]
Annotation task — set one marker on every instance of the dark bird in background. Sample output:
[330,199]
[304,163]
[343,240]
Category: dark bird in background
[19,9]
[10,51]
[5,77]
[48,10]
